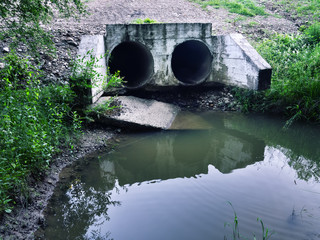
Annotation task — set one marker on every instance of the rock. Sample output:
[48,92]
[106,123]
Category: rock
[6,50]
[139,113]
[72,42]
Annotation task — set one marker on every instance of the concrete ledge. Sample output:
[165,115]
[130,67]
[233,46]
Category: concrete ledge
[237,63]
[139,113]
[95,44]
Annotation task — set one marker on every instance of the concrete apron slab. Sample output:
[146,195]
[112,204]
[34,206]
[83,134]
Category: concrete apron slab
[138,113]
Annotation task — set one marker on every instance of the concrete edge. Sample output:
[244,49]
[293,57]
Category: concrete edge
[95,43]
[251,55]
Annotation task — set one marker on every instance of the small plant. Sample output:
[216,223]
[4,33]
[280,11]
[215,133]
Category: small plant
[85,76]
[236,232]
[144,21]
[265,231]
[107,108]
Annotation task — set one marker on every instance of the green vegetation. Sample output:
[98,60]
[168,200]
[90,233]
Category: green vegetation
[295,88]
[37,120]
[85,75]
[301,8]
[143,21]
[22,21]
[236,231]
[243,7]
[34,121]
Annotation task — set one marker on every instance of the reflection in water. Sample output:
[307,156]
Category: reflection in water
[301,141]
[175,185]
[184,154]
[82,202]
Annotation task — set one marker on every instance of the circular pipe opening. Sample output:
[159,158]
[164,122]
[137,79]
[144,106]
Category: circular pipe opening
[134,61]
[191,62]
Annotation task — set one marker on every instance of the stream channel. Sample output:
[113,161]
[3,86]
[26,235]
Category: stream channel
[189,184]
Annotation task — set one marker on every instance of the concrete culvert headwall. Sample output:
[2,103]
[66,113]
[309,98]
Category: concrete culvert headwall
[134,61]
[191,62]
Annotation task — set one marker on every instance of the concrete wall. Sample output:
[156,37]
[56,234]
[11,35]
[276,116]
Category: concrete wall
[152,56]
[206,59]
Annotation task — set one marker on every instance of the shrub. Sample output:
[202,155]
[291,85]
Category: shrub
[22,21]
[34,121]
[295,87]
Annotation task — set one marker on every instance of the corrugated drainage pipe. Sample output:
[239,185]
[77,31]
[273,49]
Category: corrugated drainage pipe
[134,61]
[191,62]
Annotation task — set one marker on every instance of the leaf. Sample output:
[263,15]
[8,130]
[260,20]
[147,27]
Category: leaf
[8,210]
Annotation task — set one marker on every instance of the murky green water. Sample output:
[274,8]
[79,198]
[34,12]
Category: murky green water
[177,184]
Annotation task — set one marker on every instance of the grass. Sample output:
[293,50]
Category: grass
[265,233]
[309,9]
[243,7]
[295,87]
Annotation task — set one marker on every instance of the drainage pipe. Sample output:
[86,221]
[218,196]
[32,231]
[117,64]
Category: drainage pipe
[191,62]
[134,61]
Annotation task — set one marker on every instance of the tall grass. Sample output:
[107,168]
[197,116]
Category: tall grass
[296,72]
[265,233]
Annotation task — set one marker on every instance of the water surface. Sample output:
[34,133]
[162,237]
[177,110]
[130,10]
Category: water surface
[179,184]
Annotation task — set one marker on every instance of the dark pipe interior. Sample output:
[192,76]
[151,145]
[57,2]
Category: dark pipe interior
[134,61]
[191,62]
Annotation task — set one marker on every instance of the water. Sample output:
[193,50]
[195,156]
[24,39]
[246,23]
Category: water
[185,184]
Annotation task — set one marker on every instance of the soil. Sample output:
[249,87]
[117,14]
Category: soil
[27,217]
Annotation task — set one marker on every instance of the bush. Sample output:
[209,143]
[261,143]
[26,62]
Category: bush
[295,87]
[22,21]
[34,121]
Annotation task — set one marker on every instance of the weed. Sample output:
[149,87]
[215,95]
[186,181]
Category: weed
[85,75]
[144,21]
[252,24]
[236,230]
[295,86]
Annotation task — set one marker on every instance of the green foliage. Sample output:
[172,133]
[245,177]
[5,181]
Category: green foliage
[309,10]
[243,7]
[21,21]
[296,74]
[34,121]
[143,21]
[85,75]
[313,33]
[295,87]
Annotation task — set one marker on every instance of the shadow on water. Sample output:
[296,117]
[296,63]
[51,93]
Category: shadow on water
[181,173]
